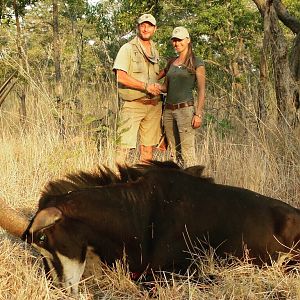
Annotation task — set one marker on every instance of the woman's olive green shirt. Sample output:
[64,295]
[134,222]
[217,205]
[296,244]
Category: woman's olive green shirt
[181,83]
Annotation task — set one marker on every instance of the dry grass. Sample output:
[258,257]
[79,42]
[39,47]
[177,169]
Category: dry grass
[266,161]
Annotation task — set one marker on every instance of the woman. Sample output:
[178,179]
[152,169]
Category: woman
[181,115]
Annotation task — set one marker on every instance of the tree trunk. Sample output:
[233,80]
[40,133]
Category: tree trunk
[261,101]
[58,78]
[237,69]
[22,65]
[7,86]
[23,112]
[278,50]
[294,25]
[295,68]
[286,73]
[77,73]
[295,58]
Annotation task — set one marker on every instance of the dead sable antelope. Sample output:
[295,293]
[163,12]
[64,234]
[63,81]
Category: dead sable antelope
[146,212]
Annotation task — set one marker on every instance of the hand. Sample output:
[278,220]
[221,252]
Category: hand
[161,87]
[196,121]
[153,88]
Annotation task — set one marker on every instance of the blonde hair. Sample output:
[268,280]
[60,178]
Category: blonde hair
[189,62]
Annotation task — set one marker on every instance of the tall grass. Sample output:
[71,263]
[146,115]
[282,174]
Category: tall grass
[265,160]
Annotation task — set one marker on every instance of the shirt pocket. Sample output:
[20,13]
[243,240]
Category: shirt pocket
[137,63]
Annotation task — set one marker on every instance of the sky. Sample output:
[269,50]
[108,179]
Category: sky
[93,2]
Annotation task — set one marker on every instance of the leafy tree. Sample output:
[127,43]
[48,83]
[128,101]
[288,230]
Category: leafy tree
[228,35]
[14,10]
[7,8]
[286,72]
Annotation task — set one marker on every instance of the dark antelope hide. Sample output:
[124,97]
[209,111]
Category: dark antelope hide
[147,212]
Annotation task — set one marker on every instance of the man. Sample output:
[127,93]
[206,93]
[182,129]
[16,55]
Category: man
[136,68]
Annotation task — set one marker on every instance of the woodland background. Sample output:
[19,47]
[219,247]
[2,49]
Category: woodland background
[59,106]
[60,49]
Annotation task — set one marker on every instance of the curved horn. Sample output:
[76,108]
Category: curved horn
[12,221]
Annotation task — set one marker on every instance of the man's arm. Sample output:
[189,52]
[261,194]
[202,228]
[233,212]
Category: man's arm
[121,67]
[128,81]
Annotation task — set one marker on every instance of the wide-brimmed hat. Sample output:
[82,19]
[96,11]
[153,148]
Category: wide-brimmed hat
[180,33]
[146,18]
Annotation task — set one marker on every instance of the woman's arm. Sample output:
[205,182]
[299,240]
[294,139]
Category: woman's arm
[161,74]
[198,117]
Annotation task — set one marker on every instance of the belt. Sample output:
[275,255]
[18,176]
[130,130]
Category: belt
[148,101]
[179,105]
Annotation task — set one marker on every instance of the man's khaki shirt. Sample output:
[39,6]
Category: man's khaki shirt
[136,64]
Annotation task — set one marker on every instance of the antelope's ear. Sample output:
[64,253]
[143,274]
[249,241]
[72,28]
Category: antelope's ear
[11,220]
[45,218]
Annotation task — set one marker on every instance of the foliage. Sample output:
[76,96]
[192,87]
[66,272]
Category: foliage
[224,33]
[222,127]
[7,8]
[293,7]
[215,26]
[74,9]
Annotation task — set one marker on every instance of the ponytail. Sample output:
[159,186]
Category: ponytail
[190,60]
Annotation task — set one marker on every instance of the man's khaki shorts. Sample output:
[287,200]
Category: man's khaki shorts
[139,118]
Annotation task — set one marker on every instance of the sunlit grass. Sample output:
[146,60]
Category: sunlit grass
[266,161]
